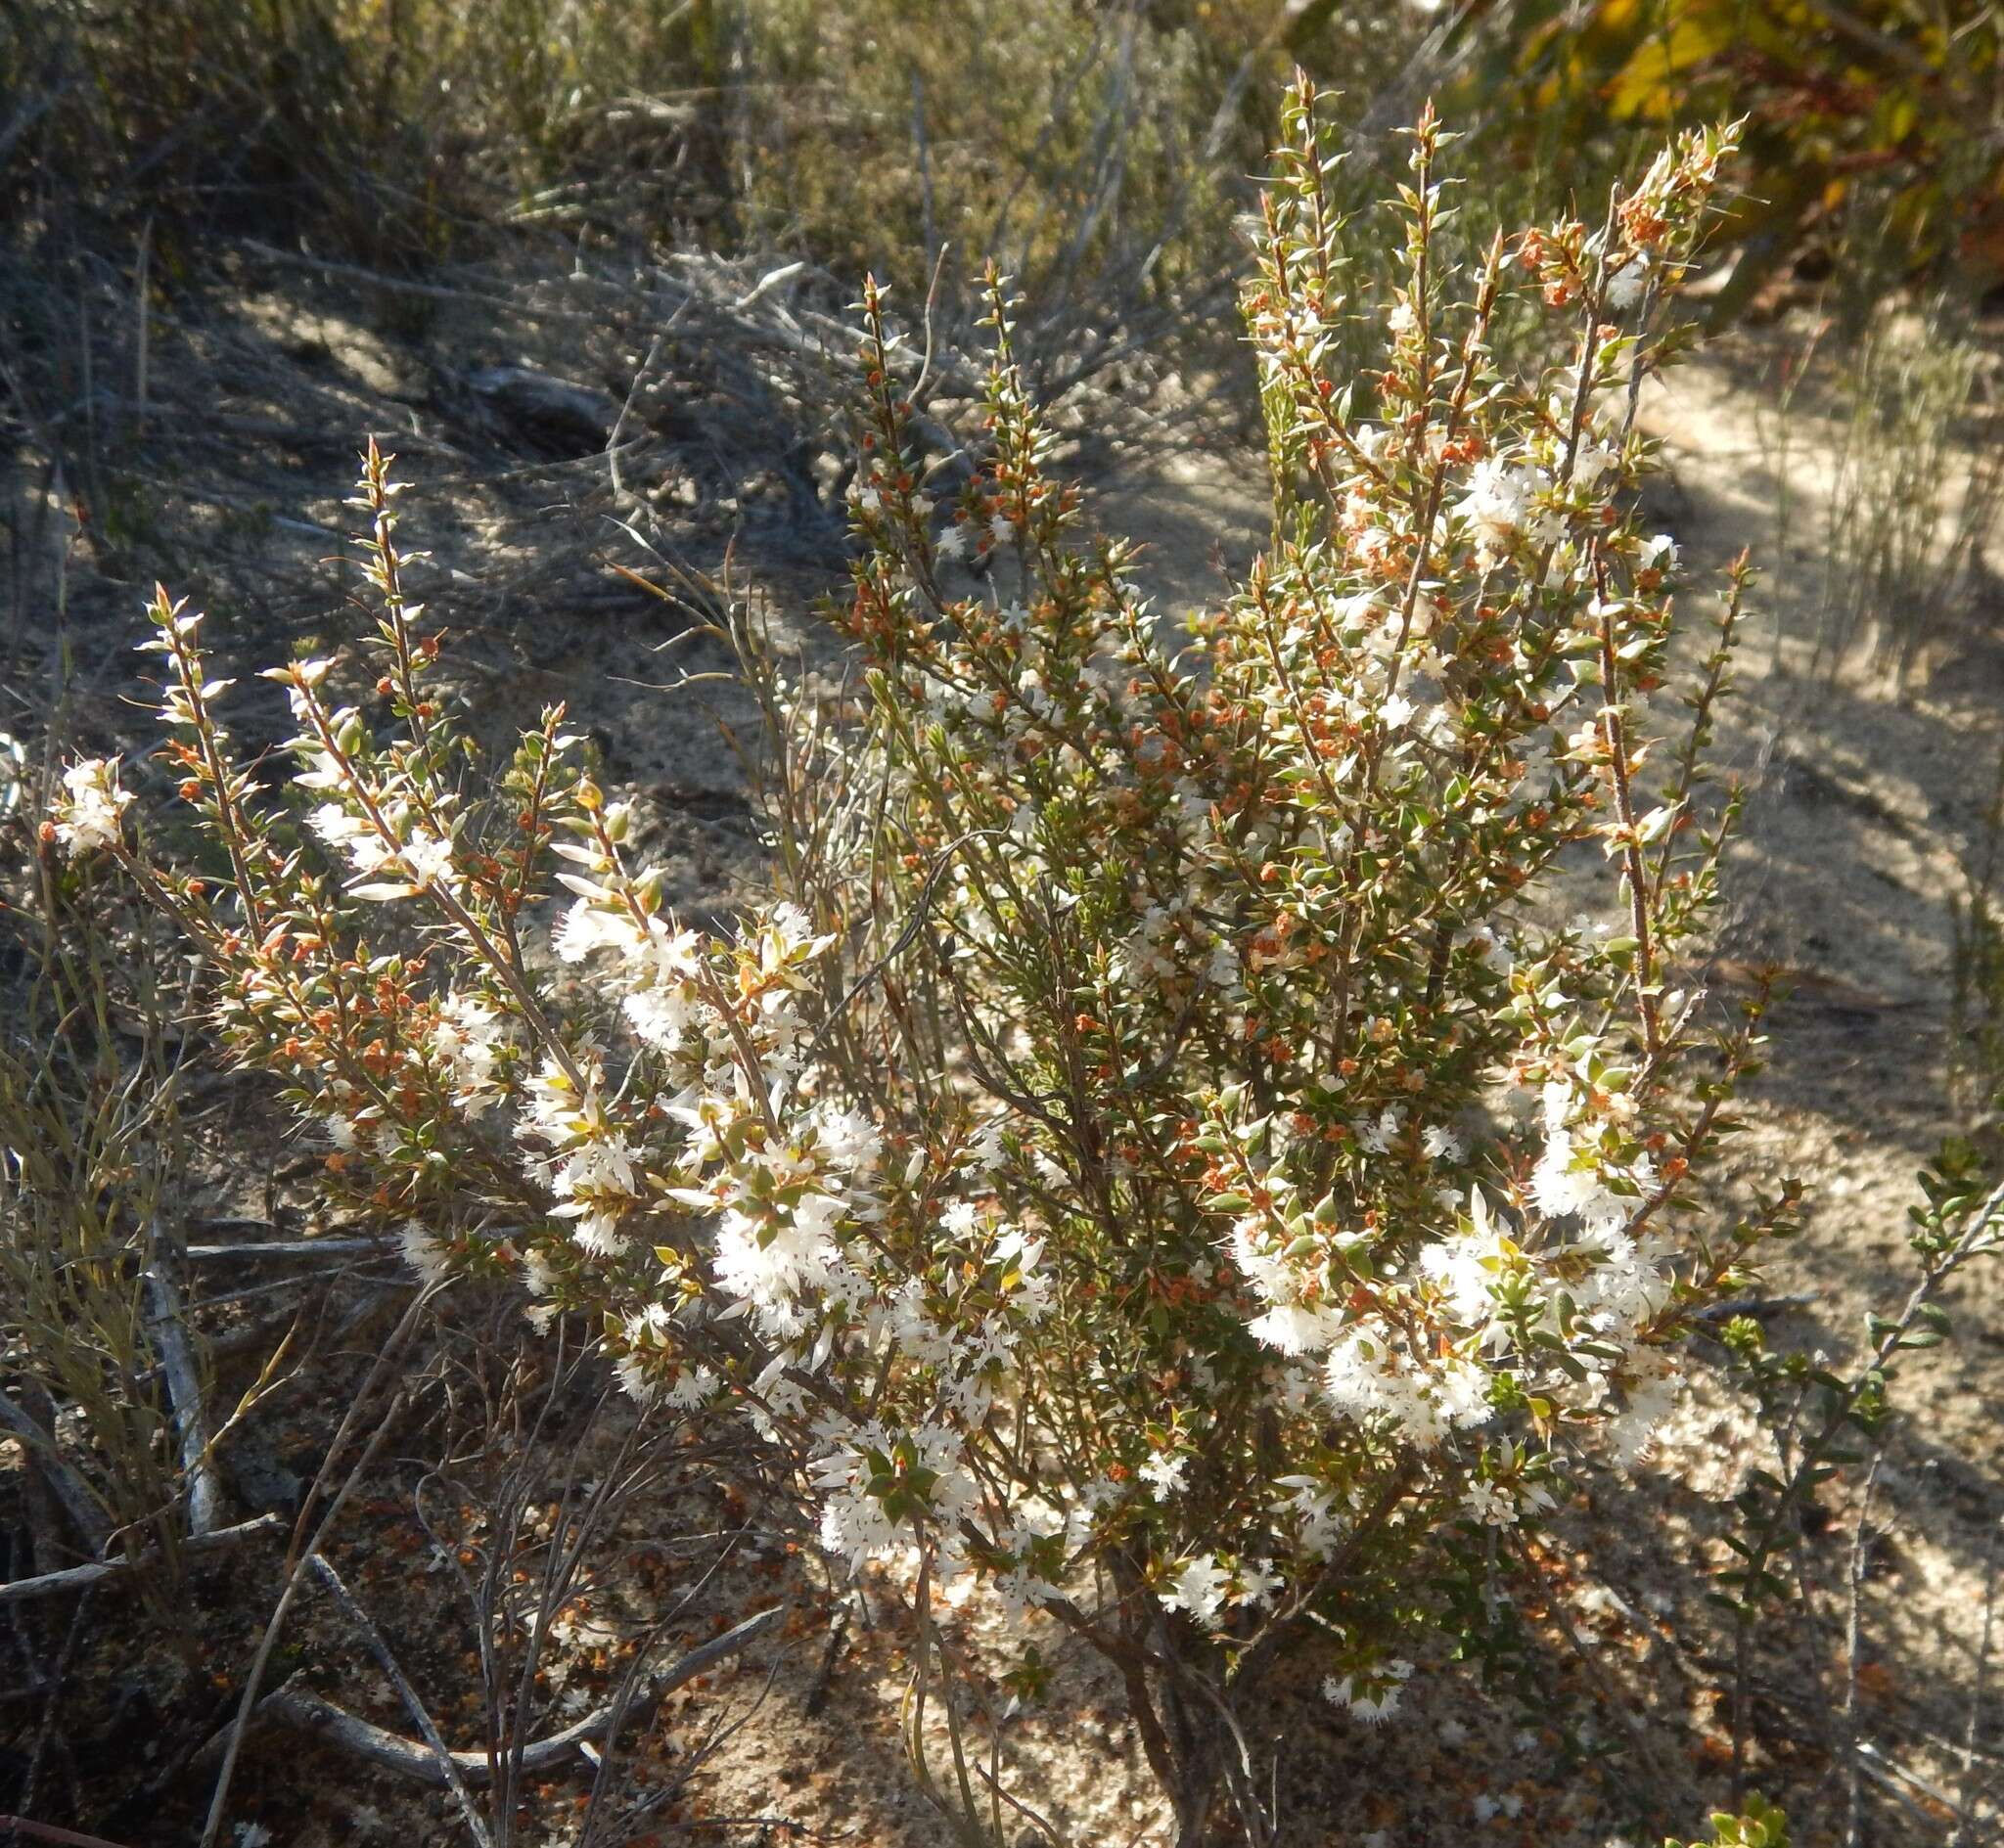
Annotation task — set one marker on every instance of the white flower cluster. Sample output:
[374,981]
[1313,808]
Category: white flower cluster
[1372,1694]
[88,813]
[1203,1587]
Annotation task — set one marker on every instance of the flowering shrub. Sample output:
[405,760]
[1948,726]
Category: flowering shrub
[1162,1158]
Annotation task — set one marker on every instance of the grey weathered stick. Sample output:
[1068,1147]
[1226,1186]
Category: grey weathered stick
[408,1758]
[414,1705]
[68,1486]
[1855,1586]
[1761,1308]
[79,1578]
[16,1827]
[292,1249]
[1965,1790]
[184,1384]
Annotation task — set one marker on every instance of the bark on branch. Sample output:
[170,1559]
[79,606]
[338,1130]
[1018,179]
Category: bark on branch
[298,1706]
[79,1578]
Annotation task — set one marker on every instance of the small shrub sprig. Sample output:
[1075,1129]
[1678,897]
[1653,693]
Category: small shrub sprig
[1162,1158]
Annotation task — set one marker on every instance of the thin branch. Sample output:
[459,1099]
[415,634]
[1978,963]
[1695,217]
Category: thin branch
[1855,1586]
[290,1249]
[17,1827]
[79,1578]
[305,1545]
[414,1704]
[1973,1732]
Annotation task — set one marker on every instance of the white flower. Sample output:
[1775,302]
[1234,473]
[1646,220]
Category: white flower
[1377,1138]
[1295,1330]
[959,1219]
[1374,1709]
[423,1253]
[588,927]
[1165,1473]
[1199,1589]
[1442,1144]
[1490,1504]
[87,814]
[768,1260]
[1651,1388]
[1421,1399]
[468,1041]
[660,1016]
[1467,1265]
[1566,1182]
[1591,461]
[338,829]
[1461,1389]
[1371,1696]
[633,1376]
[1498,506]
[599,1234]
[428,857]
[1257,1583]
[852,1141]
[696,1386]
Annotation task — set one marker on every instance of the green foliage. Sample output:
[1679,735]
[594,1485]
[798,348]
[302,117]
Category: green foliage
[1759,1825]
[1855,118]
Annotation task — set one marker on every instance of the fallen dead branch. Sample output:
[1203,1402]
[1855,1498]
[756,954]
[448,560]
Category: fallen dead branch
[68,1487]
[298,1706]
[379,1646]
[79,1578]
[184,1385]
[292,1249]
[22,1827]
